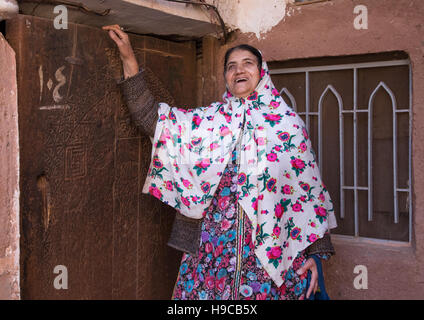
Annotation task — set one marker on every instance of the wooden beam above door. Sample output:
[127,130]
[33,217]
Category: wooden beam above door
[160,17]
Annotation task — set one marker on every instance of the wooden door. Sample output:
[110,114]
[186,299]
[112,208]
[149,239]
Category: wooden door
[83,165]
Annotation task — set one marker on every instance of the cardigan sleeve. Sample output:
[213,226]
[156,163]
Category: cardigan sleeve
[322,247]
[142,94]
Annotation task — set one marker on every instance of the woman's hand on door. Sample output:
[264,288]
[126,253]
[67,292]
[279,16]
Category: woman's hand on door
[126,52]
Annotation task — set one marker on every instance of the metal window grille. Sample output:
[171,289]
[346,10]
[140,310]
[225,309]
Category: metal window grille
[358,101]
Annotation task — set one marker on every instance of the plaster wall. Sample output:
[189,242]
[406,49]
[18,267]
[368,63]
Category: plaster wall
[8,8]
[250,15]
[9,175]
[326,29]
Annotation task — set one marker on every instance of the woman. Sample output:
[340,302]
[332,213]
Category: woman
[245,169]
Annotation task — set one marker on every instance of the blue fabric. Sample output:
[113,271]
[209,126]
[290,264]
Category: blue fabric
[321,293]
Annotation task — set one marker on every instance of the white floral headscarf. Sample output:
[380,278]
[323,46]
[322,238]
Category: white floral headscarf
[279,183]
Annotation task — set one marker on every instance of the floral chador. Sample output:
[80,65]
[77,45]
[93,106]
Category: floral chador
[280,201]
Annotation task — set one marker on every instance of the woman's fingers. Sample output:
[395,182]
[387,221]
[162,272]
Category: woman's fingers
[117,29]
[112,26]
[125,49]
[311,266]
[122,41]
[112,30]
[115,38]
[119,36]
[308,265]
[313,286]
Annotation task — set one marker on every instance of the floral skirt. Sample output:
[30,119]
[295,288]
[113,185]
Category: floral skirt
[226,267]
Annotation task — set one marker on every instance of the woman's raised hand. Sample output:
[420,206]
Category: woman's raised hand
[126,52]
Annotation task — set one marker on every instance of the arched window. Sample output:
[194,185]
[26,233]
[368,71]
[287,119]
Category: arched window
[358,113]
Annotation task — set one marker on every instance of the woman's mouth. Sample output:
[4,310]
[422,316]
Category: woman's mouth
[241,80]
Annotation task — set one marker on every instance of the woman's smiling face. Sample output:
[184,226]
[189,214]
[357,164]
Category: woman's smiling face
[242,73]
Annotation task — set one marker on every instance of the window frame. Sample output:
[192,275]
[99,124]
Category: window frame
[355,111]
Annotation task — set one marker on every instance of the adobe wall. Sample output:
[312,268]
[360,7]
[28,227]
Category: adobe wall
[324,30]
[9,175]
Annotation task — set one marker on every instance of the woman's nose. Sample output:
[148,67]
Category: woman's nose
[239,69]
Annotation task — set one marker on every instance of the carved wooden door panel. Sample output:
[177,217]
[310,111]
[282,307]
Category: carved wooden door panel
[83,165]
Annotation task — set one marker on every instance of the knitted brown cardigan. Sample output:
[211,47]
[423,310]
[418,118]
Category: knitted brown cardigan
[141,93]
